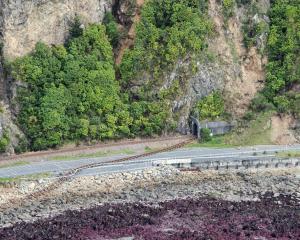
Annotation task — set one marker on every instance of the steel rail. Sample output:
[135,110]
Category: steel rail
[71,173]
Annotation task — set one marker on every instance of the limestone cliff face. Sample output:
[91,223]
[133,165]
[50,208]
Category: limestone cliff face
[25,22]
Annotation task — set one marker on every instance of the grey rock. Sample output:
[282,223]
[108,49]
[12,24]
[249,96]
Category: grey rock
[25,22]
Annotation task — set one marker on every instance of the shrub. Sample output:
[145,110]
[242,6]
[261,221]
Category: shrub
[260,104]
[112,29]
[282,103]
[228,8]
[22,146]
[243,2]
[249,115]
[4,142]
[211,107]
[205,134]
[1,108]
[252,31]
[76,29]
[295,105]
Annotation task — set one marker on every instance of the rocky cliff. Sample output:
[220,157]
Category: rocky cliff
[24,22]
[235,70]
[231,66]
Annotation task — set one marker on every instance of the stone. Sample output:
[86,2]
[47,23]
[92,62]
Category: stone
[24,23]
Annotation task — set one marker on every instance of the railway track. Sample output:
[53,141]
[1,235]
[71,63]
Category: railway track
[49,153]
[71,173]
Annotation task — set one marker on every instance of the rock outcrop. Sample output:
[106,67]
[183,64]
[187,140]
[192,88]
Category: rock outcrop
[8,126]
[233,69]
[229,66]
[25,22]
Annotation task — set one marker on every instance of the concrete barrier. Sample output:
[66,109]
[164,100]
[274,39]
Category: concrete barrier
[246,163]
[179,163]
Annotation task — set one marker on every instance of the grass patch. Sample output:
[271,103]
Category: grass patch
[30,177]
[289,154]
[15,164]
[258,132]
[92,155]
[149,149]
[215,142]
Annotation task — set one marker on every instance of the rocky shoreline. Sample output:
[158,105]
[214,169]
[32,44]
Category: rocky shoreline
[150,186]
[199,218]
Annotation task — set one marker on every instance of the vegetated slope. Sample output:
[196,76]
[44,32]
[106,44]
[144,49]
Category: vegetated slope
[181,52]
[281,92]
[129,40]
[283,70]
[71,91]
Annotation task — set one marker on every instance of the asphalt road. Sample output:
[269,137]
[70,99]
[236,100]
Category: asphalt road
[195,154]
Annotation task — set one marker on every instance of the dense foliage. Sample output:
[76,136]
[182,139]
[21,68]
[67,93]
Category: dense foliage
[169,30]
[4,141]
[112,30]
[205,135]
[210,107]
[71,92]
[283,70]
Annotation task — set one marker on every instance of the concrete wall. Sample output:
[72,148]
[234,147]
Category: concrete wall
[217,128]
[254,163]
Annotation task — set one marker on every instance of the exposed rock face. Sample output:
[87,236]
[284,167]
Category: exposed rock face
[7,125]
[243,69]
[234,70]
[2,83]
[207,79]
[25,22]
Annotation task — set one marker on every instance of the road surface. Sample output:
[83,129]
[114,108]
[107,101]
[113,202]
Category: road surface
[198,154]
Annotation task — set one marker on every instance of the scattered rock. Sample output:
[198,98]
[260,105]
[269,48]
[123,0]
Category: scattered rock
[158,184]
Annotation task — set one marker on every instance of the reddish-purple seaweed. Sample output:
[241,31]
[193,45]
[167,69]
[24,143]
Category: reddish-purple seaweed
[203,218]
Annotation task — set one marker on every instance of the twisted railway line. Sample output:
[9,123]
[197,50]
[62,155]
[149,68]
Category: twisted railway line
[71,173]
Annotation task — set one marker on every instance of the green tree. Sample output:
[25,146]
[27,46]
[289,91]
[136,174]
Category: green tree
[205,134]
[4,142]
[112,29]
[71,92]
[283,70]
[211,107]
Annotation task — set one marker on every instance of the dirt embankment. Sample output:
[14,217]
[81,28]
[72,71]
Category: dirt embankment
[281,132]
[128,41]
